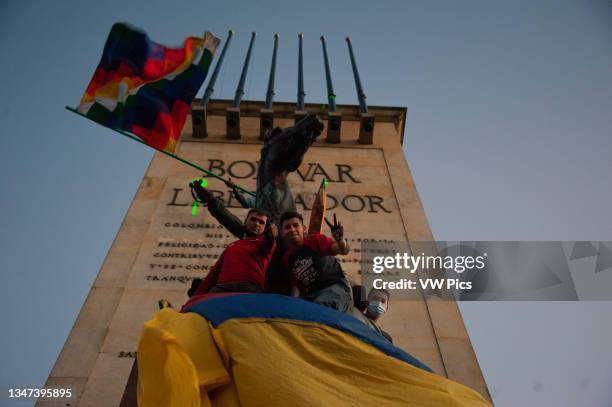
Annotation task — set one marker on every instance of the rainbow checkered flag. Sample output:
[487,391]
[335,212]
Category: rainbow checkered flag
[146,88]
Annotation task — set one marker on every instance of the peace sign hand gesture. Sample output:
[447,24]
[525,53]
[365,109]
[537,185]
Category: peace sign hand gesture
[337,229]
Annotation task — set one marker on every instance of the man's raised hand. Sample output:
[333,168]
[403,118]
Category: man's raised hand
[337,229]
[198,191]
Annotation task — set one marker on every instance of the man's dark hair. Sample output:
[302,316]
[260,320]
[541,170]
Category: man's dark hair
[289,215]
[258,211]
[380,290]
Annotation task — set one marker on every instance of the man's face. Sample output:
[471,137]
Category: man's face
[293,231]
[255,223]
[378,303]
[379,296]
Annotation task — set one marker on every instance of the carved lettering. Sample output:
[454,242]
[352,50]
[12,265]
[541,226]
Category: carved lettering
[331,199]
[216,165]
[299,200]
[344,169]
[173,201]
[241,169]
[305,176]
[319,171]
[373,201]
[357,204]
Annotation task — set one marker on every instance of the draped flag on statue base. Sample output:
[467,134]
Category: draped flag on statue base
[232,350]
[146,88]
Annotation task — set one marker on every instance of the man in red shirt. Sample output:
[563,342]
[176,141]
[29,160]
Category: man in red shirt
[242,265]
[309,260]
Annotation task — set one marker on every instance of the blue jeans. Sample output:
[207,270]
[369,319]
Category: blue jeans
[336,296]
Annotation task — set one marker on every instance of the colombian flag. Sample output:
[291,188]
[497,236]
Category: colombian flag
[147,88]
[273,350]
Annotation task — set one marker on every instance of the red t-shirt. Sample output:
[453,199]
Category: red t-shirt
[317,242]
[243,261]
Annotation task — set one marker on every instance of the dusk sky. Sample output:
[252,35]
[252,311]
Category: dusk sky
[508,137]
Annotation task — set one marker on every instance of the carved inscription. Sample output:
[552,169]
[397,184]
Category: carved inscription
[315,172]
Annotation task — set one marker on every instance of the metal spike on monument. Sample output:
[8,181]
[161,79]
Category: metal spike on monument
[360,93]
[245,70]
[334,118]
[331,96]
[366,128]
[300,112]
[198,112]
[270,91]
[266,122]
[233,112]
[213,79]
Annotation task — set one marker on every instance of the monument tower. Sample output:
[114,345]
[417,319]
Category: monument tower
[160,246]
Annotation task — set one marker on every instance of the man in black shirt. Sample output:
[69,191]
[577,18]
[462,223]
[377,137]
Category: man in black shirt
[309,266]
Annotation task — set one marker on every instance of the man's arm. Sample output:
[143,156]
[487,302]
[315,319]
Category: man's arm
[218,210]
[271,233]
[340,247]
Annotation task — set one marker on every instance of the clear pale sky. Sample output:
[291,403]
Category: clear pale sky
[508,137]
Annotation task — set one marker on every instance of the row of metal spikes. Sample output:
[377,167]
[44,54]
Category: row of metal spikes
[270,91]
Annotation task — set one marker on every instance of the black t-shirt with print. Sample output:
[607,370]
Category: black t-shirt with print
[312,272]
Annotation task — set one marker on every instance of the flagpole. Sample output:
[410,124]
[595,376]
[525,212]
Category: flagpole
[189,163]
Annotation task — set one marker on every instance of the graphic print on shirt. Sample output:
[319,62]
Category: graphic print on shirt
[303,266]
[304,271]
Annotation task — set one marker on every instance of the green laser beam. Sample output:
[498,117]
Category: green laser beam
[203,181]
[194,209]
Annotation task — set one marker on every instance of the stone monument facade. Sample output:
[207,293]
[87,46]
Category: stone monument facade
[161,246]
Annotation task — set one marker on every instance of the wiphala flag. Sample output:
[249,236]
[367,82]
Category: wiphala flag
[146,88]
